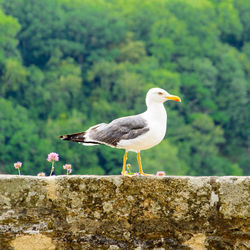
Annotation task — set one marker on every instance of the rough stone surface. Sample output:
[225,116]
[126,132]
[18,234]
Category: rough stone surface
[116,212]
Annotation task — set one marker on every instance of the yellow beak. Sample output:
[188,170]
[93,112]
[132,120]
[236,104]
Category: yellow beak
[174,98]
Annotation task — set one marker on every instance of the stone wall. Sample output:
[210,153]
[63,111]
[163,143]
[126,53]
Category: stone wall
[115,212]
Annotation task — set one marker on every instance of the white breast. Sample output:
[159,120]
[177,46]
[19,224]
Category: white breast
[156,118]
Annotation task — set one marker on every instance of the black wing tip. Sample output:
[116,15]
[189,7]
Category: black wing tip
[77,137]
[63,137]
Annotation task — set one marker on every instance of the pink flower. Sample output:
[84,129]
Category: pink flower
[18,164]
[68,168]
[41,174]
[53,157]
[160,173]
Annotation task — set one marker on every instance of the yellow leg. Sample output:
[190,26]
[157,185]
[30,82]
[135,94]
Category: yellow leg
[125,157]
[140,165]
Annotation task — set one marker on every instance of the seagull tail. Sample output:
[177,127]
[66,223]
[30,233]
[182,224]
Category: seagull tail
[78,137]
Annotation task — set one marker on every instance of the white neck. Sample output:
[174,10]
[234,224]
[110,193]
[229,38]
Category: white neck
[157,111]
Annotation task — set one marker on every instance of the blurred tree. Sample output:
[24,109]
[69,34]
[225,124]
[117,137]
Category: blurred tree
[229,23]
[62,87]
[132,51]
[90,32]
[41,25]
[115,91]
[9,27]
[243,9]
[19,140]
[200,142]
[231,95]
[68,64]
[13,78]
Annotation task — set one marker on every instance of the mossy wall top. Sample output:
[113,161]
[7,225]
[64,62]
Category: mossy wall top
[116,212]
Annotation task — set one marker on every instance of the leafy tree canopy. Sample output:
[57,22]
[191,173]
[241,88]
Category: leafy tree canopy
[66,65]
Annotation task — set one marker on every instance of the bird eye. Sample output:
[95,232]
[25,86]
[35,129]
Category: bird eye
[160,93]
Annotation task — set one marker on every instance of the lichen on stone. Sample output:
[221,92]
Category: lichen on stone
[117,212]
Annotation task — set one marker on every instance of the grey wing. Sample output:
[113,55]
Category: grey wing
[124,128]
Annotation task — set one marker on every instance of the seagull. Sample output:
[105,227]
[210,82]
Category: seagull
[131,133]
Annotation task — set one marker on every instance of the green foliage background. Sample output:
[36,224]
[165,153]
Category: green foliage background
[68,64]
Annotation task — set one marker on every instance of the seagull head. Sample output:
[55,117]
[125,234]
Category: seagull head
[157,95]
